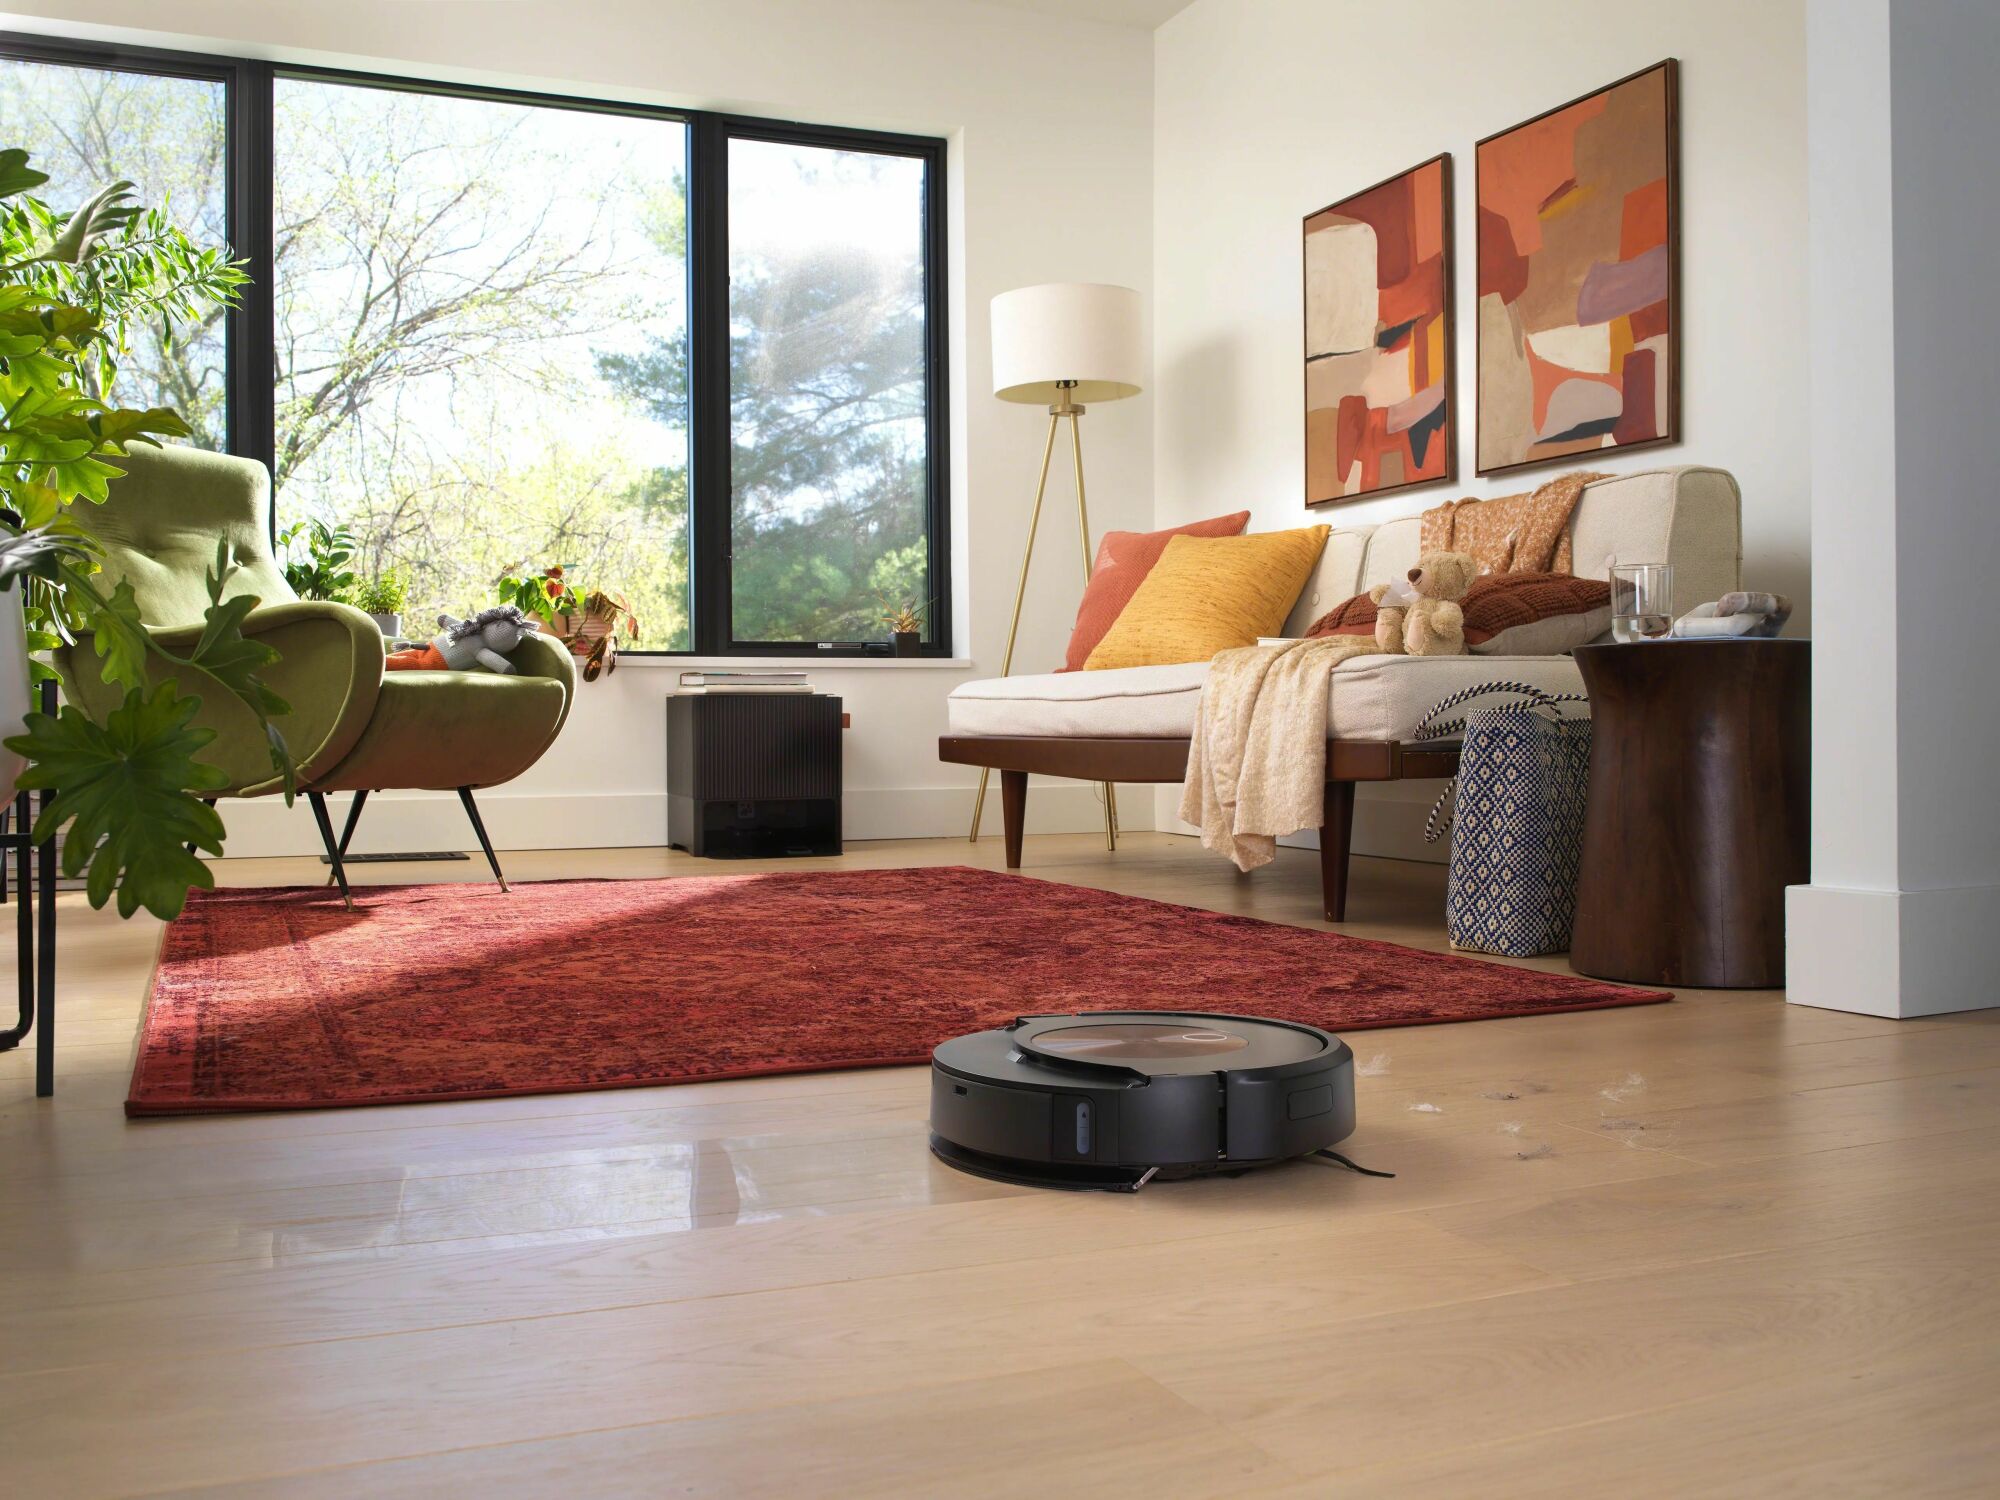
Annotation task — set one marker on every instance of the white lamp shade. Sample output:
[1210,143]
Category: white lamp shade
[1078,331]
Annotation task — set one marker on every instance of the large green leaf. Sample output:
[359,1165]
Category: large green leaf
[39,553]
[109,210]
[120,637]
[128,789]
[16,176]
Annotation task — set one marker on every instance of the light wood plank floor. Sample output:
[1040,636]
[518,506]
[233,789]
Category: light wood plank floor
[1718,1247]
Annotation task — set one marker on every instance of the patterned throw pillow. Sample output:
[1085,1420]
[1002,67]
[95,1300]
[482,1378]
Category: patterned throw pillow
[1506,614]
[1124,558]
[1207,594]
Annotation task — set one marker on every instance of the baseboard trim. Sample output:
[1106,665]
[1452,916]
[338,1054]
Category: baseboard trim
[409,822]
[1896,954]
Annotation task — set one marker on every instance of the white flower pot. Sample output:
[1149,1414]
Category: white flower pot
[391,626]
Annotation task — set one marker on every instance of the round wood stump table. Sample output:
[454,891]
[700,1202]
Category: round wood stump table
[1697,816]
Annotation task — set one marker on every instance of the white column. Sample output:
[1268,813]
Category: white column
[1903,137]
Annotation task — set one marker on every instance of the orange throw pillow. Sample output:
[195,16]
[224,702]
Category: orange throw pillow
[1124,558]
[1506,614]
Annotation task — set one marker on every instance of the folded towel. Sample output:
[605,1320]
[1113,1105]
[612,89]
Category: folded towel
[1735,615]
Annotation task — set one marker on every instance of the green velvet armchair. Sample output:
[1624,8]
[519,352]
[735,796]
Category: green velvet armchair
[353,727]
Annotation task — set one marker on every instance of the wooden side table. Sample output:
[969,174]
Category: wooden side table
[1697,818]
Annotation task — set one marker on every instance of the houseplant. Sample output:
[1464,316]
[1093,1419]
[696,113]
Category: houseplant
[906,625]
[128,786]
[383,598]
[316,558]
[585,618]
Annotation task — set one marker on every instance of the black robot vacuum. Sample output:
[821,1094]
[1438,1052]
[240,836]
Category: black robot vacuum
[1110,1099]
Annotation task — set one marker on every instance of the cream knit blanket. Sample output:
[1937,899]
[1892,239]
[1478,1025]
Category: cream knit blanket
[1257,761]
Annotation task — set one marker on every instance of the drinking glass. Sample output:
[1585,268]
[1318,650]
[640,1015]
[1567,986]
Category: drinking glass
[1642,601]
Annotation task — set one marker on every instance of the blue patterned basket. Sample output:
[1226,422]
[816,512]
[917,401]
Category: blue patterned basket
[1517,829]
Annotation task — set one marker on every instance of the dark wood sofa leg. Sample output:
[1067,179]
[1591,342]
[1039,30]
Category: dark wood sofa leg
[1335,835]
[1013,812]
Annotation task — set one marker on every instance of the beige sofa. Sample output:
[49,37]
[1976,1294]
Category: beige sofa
[1133,724]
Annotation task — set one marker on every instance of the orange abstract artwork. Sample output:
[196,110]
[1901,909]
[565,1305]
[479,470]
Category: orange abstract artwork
[1379,339]
[1578,285]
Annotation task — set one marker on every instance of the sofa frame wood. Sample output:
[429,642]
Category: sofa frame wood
[1016,757]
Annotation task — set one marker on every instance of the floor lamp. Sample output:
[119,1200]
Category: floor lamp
[1064,345]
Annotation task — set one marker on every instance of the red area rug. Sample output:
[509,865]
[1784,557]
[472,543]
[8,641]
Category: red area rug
[281,999]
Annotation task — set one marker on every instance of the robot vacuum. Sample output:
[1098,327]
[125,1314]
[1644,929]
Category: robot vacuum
[1110,1099]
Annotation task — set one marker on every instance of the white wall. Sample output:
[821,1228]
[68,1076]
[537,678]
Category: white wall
[1906,828]
[1266,110]
[1050,179]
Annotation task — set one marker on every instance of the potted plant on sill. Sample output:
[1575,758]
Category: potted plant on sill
[586,619]
[382,600]
[316,558]
[906,626]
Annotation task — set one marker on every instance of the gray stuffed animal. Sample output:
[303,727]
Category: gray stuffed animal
[479,641]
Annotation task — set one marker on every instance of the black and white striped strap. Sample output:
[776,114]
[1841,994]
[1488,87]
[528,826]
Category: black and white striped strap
[1429,728]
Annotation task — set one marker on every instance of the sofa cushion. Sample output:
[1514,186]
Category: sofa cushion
[1373,697]
[1207,594]
[1129,703]
[1124,558]
[1337,575]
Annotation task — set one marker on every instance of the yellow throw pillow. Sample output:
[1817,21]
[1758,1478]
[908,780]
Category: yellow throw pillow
[1206,594]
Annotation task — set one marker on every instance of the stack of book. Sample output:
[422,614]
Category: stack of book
[749,681]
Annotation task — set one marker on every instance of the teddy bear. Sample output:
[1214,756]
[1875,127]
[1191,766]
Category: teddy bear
[465,644]
[1421,617]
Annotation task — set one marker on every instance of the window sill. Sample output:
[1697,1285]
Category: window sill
[794,663]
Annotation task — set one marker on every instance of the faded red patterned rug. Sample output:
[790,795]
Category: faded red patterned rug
[281,999]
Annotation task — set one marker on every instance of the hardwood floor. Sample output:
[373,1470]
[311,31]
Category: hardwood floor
[1718,1247]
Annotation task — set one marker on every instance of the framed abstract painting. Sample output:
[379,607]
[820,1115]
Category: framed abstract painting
[1579,277]
[1378,343]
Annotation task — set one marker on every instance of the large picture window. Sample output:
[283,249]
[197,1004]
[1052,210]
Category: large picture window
[694,359]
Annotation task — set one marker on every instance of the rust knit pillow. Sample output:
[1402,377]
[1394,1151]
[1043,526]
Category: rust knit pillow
[1124,558]
[1506,614]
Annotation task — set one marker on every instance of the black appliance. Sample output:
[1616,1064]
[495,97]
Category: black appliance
[753,775]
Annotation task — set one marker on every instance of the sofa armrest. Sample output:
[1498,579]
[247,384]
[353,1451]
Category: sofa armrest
[329,669]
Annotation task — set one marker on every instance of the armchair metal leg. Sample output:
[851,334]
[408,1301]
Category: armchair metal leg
[472,812]
[347,829]
[318,800]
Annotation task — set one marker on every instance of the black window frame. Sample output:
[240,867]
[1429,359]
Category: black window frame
[251,401]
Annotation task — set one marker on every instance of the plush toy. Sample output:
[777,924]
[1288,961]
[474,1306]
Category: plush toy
[465,644]
[1420,616]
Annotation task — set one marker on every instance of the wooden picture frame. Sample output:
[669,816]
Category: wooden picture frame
[1380,344]
[1577,336]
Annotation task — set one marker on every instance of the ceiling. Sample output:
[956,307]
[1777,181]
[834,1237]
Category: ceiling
[1141,15]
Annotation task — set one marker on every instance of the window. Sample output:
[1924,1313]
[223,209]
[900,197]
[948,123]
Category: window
[695,359]
[827,390]
[90,126]
[481,340]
